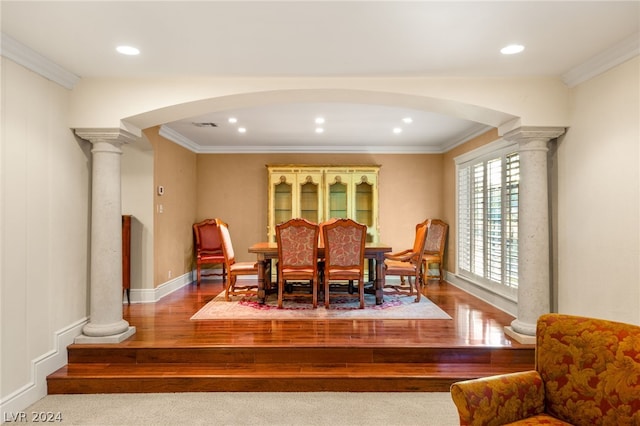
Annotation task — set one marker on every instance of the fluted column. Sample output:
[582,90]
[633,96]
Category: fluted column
[534,286]
[106,324]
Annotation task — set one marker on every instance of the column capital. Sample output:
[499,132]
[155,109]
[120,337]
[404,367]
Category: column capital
[114,136]
[532,133]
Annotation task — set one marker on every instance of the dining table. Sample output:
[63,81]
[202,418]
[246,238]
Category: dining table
[268,251]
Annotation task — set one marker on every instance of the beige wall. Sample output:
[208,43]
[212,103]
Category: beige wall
[45,182]
[137,201]
[234,188]
[175,170]
[599,198]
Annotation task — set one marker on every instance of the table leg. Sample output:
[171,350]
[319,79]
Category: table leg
[380,279]
[261,280]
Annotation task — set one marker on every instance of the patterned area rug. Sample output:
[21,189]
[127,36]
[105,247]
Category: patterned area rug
[397,305]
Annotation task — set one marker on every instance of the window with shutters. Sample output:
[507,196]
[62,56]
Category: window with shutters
[487,215]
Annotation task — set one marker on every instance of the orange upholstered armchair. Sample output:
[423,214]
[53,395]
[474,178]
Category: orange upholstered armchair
[208,246]
[236,269]
[587,373]
[408,263]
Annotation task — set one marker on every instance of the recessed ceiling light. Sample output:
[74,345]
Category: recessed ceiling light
[397,130]
[407,120]
[128,50]
[512,49]
[319,130]
[319,120]
[233,120]
[242,130]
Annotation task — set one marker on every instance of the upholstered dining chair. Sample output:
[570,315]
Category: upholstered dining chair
[208,247]
[235,269]
[434,249]
[344,242]
[297,256]
[408,263]
[321,225]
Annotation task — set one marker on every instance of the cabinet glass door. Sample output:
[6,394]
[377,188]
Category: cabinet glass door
[338,207]
[283,202]
[309,206]
[364,203]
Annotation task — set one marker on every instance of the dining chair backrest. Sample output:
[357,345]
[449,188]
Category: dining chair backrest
[436,237]
[422,231]
[207,234]
[321,233]
[344,245]
[297,243]
[227,245]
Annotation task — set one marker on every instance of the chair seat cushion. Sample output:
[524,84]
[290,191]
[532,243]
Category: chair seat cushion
[344,274]
[395,267]
[431,258]
[215,258]
[240,267]
[300,271]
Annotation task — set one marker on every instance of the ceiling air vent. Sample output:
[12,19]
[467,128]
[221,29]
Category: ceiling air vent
[205,124]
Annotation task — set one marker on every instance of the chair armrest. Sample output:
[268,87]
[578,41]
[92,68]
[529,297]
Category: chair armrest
[402,256]
[499,399]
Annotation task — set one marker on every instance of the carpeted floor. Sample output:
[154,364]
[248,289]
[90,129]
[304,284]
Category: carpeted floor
[252,408]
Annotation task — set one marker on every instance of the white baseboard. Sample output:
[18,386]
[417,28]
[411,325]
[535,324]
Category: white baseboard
[152,295]
[41,367]
[494,299]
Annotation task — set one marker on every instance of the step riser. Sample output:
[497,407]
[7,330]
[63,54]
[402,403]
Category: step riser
[299,355]
[161,385]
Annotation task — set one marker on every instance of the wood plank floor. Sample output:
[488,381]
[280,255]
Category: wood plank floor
[171,353]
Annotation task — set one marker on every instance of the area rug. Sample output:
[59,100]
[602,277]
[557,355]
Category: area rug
[396,305]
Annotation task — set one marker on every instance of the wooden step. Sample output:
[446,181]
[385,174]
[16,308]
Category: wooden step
[270,377]
[114,369]
[78,354]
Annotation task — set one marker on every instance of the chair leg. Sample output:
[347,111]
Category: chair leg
[229,287]
[326,293]
[281,285]
[314,283]
[418,286]
[361,291]
[198,275]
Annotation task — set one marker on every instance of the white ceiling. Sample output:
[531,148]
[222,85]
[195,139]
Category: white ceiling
[321,38]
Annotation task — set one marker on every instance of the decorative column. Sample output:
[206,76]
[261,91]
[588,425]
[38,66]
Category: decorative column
[534,286]
[106,324]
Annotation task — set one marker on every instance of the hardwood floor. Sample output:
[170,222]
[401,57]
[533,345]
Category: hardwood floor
[171,353]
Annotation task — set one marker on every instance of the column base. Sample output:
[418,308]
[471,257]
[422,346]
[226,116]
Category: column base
[519,337]
[116,338]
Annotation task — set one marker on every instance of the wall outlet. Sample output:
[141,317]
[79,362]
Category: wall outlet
[170,274]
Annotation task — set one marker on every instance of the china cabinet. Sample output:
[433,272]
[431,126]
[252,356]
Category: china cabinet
[319,193]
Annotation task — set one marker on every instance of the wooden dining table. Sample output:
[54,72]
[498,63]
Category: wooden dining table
[268,251]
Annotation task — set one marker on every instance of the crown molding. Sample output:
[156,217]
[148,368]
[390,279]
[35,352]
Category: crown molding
[22,55]
[173,136]
[604,61]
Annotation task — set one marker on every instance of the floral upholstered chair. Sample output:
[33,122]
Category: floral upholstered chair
[344,241]
[587,373]
[297,256]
